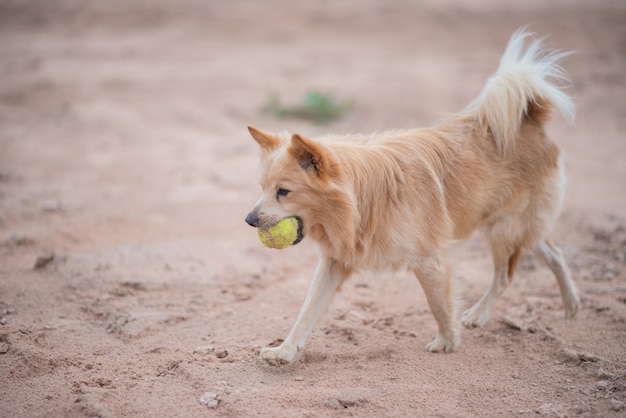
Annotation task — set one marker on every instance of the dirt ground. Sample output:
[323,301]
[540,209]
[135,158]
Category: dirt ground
[130,285]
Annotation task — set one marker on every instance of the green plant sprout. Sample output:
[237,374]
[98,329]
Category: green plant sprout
[317,107]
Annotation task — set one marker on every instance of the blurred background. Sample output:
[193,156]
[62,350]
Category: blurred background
[126,169]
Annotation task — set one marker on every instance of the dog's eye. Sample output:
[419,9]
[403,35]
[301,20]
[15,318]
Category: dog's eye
[282,193]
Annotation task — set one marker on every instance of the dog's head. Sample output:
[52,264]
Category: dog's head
[300,177]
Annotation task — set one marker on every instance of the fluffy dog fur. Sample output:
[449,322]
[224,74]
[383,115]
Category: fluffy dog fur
[399,199]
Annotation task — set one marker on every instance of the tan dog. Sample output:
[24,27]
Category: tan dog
[399,199]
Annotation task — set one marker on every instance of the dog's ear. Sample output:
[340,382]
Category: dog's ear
[266,140]
[312,157]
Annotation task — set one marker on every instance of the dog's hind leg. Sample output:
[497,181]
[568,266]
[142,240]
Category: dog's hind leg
[553,257]
[505,259]
[328,278]
[439,287]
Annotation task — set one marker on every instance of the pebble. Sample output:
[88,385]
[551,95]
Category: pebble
[43,260]
[616,405]
[545,409]
[221,353]
[209,399]
[203,349]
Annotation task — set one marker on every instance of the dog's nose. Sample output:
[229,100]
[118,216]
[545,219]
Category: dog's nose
[252,219]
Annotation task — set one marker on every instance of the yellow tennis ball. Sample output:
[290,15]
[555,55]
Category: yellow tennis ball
[282,234]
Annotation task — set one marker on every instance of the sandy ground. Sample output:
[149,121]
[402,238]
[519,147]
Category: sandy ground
[126,170]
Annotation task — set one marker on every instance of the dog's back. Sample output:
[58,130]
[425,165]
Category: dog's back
[492,166]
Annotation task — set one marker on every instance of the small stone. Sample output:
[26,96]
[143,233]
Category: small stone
[602,384]
[43,260]
[545,409]
[616,405]
[203,349]
[221,353]
[209,399]
[103,382]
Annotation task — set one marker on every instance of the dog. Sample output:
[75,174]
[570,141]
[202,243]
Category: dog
[398,200]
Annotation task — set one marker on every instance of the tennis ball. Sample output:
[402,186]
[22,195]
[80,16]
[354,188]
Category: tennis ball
[282,234]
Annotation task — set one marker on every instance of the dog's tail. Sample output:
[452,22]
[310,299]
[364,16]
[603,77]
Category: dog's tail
[522,88]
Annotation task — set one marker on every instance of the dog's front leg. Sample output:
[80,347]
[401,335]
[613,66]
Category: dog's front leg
[328,277]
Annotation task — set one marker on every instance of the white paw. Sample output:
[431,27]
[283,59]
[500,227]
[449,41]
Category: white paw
[279,355]
[474,317]
[571,307]
[443,344]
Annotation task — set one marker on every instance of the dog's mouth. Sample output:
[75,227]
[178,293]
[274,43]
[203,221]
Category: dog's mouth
[279,234]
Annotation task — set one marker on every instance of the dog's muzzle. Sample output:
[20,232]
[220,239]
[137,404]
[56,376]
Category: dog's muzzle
[252,219]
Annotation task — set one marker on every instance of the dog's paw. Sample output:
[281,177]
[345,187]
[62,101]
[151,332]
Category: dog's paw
[443,344]
[279,355]
[571,307]
[474,317]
